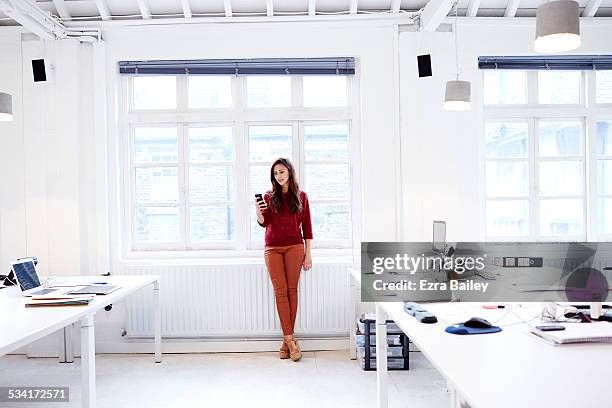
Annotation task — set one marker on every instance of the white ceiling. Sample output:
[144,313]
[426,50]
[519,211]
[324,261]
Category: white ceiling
[91,10]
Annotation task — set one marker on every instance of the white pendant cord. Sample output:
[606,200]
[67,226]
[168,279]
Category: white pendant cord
[456,5]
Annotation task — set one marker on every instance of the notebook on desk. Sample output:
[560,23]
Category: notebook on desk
[576,333]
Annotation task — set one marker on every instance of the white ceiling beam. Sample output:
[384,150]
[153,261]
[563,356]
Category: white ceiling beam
[395,6]
[227,4]
[269,8]
[591,8]
[511,8]
[472,9]
[103,9]
[353,8]
[434,13]
[186,9]
[312,7]
[62,10]
[35,19]
[145,10]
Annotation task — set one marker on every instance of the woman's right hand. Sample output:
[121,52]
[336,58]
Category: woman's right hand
[260,218]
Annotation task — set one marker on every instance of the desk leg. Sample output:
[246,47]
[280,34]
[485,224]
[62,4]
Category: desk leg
[157,313]
[88,363]
[66,353]
[381,356]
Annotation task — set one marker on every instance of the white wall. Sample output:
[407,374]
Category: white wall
[47,167]
[443,170]
[12,174]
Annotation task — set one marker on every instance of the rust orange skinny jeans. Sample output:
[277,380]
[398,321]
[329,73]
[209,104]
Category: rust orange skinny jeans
[284,265]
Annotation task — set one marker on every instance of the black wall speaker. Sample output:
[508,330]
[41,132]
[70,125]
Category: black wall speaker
[424,62]
[39,71]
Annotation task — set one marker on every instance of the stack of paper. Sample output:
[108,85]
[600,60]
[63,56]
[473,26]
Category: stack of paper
[61,300]
[600,332]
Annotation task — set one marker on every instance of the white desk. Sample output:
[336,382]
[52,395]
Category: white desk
[500,370]
[21,325]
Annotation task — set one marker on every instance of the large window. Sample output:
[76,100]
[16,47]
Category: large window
[543,132]
[199,147]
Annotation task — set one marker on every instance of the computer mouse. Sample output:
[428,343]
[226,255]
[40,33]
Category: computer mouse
[478,322]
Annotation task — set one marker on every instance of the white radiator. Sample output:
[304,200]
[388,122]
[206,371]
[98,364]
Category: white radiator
[237,301]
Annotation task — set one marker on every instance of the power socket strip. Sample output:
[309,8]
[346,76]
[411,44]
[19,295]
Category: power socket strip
[518,262]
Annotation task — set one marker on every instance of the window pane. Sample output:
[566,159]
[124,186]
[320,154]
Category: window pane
[324,90]
[507,179]
[210,144]
[327,181]
[604,138]
[212,223]
[507,218]
[326,142]
[330,221]
[157,224]
[505,87]
[561,217]
[210,92]
[155,145]
[268,143]
[259,177]
[257,232]
[156,185]
[605,215]
[506,139]
[154,92]
[603,81]
[268,91]
[560,138]
[604,176]
[561,178]
[211,184]
[559,87]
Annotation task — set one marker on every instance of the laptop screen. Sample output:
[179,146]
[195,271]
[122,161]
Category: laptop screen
[26,275]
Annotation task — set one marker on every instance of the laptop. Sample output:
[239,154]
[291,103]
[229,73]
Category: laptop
[27,278]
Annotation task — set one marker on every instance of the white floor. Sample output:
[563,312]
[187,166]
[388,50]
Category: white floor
[321,379]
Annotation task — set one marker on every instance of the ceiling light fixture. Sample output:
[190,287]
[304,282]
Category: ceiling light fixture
[457,96]
[557,27]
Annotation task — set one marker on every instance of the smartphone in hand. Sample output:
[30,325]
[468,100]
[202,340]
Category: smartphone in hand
[261,201]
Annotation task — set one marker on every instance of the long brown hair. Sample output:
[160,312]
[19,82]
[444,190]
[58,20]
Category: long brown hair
[293,194]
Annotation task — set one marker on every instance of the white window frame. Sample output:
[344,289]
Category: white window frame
[238,117]
[532,113]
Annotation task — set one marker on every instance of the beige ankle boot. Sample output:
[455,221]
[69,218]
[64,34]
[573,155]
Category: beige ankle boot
[294,349]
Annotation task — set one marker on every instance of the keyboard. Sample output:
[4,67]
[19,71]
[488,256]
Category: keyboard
[485,274]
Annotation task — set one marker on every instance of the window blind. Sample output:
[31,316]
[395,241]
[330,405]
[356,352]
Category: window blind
[549,62]
[258,66]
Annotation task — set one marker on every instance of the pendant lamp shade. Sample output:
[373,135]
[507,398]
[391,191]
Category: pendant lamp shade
[6,107]
[457,96]
[557,27]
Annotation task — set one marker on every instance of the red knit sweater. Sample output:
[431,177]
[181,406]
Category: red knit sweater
[283,228]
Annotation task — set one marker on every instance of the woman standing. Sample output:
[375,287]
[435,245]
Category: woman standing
[286,218]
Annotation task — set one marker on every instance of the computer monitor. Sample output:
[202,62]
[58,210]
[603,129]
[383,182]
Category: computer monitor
[439,237]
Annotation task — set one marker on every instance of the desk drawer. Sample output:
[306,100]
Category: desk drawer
[393,351]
